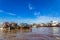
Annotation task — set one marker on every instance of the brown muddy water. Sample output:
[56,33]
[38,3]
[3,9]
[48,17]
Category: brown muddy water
[42,33]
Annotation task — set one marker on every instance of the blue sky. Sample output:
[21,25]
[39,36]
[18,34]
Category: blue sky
[29,11]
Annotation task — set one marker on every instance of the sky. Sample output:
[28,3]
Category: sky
[29,11]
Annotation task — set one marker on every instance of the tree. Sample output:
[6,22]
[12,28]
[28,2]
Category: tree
[5,25]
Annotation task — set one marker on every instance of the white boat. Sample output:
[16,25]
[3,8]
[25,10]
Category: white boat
[1,29]
[34,26]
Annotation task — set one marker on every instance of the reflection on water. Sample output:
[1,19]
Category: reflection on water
[31,34]
[47,30]
[56,30]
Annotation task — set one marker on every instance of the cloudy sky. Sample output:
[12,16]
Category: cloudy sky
[29,11]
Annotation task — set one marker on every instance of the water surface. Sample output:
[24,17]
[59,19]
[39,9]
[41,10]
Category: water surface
[42,33]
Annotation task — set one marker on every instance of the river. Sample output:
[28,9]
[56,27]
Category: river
[41,33]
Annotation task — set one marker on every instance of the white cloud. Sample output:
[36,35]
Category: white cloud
[45,19]
[30,7]
[37,14]
[12,14]
[1,11]
[40,19]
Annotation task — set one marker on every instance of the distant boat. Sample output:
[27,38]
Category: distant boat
[1,29]
[34,26]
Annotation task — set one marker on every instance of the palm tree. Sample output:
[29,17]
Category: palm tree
[24,26]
